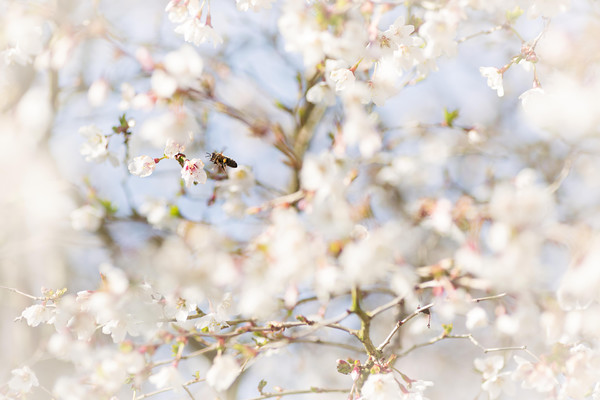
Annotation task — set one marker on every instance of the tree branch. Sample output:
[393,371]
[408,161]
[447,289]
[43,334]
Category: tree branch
[400,323]
[292,392]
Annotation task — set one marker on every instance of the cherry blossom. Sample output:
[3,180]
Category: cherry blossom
[167,376]
[96,147]
[494,79]
[380,203]
[38,314]
[193,172]
[142,166]
[223,372]
[196,32]
[255,5]
[23,380]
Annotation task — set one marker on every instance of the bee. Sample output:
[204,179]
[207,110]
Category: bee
[221,160]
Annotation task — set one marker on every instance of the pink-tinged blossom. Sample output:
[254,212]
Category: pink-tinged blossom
[196,32]
[581,370]
[87,218]
[494,79]
[23,380]
[223,372]
[539,376]
[39,313]
[193,172]
[142,166]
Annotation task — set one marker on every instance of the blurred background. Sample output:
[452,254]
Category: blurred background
[81,54]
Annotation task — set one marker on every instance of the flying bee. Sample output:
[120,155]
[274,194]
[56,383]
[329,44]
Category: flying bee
[221,160]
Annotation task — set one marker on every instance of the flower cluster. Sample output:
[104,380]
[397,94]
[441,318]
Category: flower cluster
[385,200]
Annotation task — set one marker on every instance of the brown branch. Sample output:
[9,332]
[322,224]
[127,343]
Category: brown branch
[386,306]
[402,322]
[292,392]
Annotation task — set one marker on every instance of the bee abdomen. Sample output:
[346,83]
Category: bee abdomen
[221,160]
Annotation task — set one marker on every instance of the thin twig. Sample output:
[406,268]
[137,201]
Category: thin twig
[292,392]
[185,357]
[327,343]
[188,383]
[497,296]
[22,293]
[471,339]
[400,323]
[189,393]
[386,306]
[419,345]
[282,200]
[562,175]
[492,349]
[486,32]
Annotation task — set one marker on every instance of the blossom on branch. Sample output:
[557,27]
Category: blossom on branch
[494,79]
[193,172]
[142,166]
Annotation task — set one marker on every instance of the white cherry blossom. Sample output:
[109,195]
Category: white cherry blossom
[142,166]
